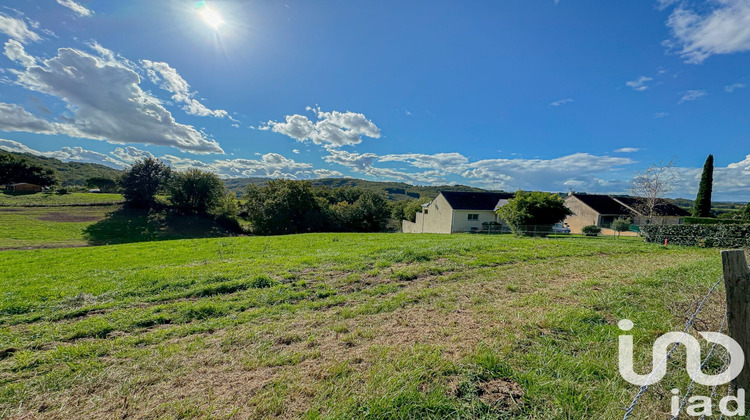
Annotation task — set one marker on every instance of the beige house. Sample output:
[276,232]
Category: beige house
[23,187]
[602,210]
[458,211]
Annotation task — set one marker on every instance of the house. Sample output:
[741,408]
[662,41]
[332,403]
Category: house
[602,210]
[458,211]
[23,187]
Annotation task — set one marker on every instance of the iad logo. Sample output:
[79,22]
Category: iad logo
[692,364]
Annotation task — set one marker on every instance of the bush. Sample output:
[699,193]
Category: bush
[591,230]
[533,209]
[620,225]
[196,191]
[143,180]
[712,221]
[724,236]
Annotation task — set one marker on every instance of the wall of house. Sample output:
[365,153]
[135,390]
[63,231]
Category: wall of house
[437,220]
[583,215]
[461,222]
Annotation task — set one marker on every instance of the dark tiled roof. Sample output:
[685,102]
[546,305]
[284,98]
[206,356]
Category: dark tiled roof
[602,204]
[662,208]
[464,200]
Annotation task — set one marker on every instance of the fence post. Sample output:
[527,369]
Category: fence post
[737,282]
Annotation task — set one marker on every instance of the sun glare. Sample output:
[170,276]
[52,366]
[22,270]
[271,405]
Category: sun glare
[209,15]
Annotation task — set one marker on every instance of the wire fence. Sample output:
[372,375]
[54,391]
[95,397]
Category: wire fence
[686,330]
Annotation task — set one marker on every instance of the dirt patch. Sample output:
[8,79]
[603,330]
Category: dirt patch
[9,210]
[502,392]
[56,216]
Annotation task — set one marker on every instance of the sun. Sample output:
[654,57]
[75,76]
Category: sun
[209,15]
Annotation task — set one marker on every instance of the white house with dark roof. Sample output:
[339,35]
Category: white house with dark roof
[458,211]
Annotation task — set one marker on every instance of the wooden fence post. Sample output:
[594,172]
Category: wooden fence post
[737,282]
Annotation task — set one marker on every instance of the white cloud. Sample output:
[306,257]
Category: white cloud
[107,103]
[130,154]
[180,89]
[560,102]
[332,129]
[295,151]
[76,7]
[627,150]
[16,147]
[66,154]
[15,51]
[17,29]
[661,114]
[692,95]
[639,84]
[724,28]
[731,88]
[15,118]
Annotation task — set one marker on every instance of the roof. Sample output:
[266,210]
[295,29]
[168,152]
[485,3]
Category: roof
[468,200]
[662,208]
[602,204]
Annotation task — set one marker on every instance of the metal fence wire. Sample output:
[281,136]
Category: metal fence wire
[689,390]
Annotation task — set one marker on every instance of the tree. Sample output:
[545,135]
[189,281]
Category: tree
[702,207]
[18,169]
[371,212]
[651,185]
[104,184]
[143,181]
[620,225]
[196,191]
[283,207]
[533,209]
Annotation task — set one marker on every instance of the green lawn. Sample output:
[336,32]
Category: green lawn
[50,199]
[54,227]
[341,326]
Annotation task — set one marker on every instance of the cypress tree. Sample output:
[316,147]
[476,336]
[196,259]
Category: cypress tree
[702,207]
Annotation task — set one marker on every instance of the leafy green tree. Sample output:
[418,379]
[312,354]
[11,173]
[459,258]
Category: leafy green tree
[283,207]
[539,209]
[620,225]
[143,181]
[408,209]
[371,211]
[745,213]
[105,185]
[196,191]
[702,207]
[18,169]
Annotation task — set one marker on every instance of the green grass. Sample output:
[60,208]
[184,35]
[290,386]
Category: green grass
[54,227]
[340,326]
[51,199]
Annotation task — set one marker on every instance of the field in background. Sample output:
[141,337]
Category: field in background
[341,326]
[50,199]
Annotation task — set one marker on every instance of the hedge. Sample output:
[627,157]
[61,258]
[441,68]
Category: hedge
[713,221]
[724,236]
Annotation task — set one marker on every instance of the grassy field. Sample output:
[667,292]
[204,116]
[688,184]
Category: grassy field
[49,199]
[341,326]
[55,227]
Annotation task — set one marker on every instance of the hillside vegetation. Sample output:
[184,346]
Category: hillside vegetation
[71,173]
[331,326]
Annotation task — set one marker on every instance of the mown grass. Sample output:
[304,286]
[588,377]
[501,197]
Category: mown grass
[340,326]
[52,199]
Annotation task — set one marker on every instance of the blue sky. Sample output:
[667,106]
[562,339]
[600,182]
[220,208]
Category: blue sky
[548,95]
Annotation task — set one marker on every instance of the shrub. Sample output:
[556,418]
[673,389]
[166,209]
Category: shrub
[620,225]
[143,180]
[724,236]
[533,209]
[591,230]
[712,221]
[196,191]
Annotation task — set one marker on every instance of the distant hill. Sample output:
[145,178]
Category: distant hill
[393,190]
[70,173]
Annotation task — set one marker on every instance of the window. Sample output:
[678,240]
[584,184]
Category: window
[473,217]
[425,211]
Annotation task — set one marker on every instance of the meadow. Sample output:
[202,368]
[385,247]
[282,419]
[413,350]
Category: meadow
[51,199]
[342,326]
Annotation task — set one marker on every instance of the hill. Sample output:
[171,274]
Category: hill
[70,173]
[393,190]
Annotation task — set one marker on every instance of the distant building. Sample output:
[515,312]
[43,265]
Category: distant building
[602,210]
[23,187]
[458,211]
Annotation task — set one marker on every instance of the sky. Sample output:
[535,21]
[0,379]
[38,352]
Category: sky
[552,95]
